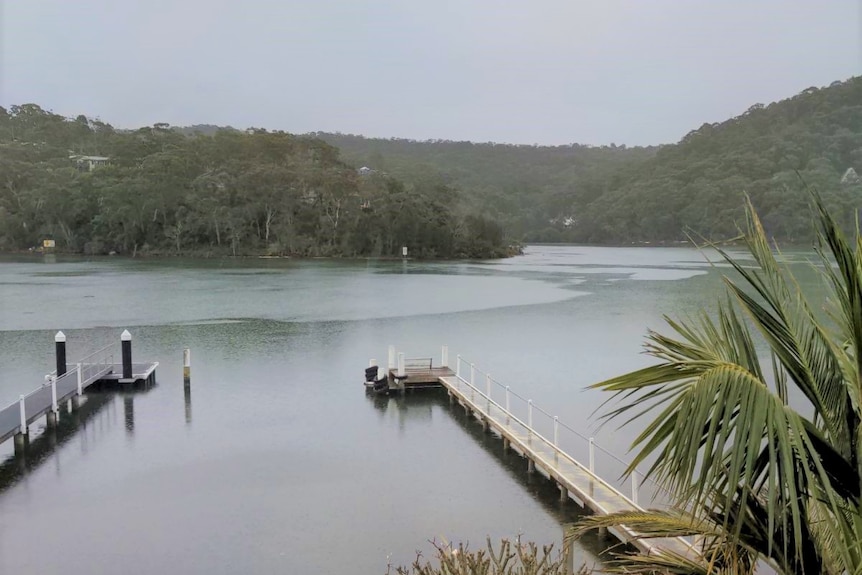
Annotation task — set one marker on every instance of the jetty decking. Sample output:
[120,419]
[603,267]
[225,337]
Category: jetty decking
[96,368]
[418,377]
[542,451]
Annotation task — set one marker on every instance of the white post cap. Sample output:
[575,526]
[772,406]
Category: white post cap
[60,337]
[125,336]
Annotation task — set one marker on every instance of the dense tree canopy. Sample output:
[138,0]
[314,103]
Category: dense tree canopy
[207,189]
[614,194]
[530,189]
[215,191]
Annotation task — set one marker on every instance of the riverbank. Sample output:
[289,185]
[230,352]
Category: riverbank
[510,251]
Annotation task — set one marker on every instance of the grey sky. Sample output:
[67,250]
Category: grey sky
[544,71]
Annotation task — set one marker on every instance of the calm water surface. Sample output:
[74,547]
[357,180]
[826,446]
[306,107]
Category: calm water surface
[277,462]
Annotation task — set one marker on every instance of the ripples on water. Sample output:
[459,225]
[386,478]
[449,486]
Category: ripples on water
[277,461]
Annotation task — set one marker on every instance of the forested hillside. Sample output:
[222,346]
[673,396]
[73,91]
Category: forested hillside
[209,191]
[615,194]
[699,183]
[529,189]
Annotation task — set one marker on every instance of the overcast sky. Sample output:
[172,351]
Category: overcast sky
[526,71]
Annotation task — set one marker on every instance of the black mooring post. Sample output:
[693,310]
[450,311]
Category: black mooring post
[60,352]
[126,344]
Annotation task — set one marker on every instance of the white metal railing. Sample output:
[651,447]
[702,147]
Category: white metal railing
[566,441]
[96,363]
[87,368]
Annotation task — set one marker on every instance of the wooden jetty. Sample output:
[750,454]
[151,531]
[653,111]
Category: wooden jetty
[67,384]
[542,452]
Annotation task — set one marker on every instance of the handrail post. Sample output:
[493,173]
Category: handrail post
[488,385]
[402,370]
[80,380]
[54,407]
[635,487]
[472,381]
[592,455]
[458,366]
[529,418]
[23,413]
[556,431]
[508,411]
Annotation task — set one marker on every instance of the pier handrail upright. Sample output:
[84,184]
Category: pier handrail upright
[547,442]
[559,452]
[637,478]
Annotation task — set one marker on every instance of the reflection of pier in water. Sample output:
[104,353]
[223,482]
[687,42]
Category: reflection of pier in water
[537,442]
[417,407]
[95,417]
[421,406]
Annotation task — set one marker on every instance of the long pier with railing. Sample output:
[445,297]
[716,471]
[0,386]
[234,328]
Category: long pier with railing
[549,446]
[66,384]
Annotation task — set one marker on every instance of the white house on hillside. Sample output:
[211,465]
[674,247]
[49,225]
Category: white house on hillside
[90,163]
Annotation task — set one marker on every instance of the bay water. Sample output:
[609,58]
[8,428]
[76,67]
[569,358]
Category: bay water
[277,461]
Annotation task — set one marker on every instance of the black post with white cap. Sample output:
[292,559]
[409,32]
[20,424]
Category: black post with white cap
[126,344]
[60,352]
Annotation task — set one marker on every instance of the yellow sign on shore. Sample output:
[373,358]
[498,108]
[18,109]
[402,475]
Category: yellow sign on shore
[47,243]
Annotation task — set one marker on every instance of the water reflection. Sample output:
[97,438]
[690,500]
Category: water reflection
[407,406]
[79,417]
[420,406]
[188,403]
[38,449]
[129,413]
[129,392]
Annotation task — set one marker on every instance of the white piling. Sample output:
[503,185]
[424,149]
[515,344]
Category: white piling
[402,368]
[187,366]
[23,414]
[54,407]
[391,357]
[444,356]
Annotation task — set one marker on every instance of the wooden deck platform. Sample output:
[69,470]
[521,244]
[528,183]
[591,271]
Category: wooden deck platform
[418,378]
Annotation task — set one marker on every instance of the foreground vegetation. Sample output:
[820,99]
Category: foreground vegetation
[753,421]
[256,192]
[506,559]
[762,451]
